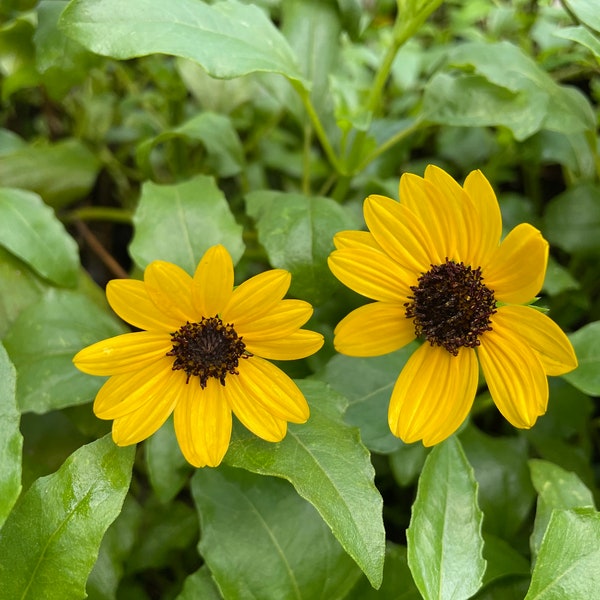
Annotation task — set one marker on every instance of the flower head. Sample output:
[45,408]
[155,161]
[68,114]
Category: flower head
[437,271]
[203,354]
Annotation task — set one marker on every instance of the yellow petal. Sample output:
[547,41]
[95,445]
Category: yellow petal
[213,281]
[130,300]
[123,353]
[542,334]
[400,233]
[517,268]
[123,394]
[373,330]
[272,389]
[372,274]
[251,414]
[170,288]
[254,298]
[351,239]
[433,394]
[283,319]
[299,344]
[514,374]
[203,423]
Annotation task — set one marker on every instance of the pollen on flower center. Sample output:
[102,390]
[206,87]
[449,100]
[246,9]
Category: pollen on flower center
[451,306]
[206,349]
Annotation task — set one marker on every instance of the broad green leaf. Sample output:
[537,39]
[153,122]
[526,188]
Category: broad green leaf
[444,537]
[407,463]
[11,440]
[18,72]
[367,383]
[502,560]
[42,343]
[583,36]
[200,585]
[261,540]
[297,233]
[178,223]
[567,564]
[507,588]
[30,230]
[572,219]
[228,38]
[586,12]
[217,134]
[60,173]
[586,342]
[328,465]
[70,511]
[557,489]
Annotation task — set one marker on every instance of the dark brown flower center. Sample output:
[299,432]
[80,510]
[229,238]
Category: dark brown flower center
[451,306]
[207,349]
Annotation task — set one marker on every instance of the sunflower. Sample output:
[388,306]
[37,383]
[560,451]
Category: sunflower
[437,271]
[202,354]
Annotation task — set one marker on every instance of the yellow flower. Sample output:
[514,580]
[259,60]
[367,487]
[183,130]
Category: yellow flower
[438,272]
[202,356]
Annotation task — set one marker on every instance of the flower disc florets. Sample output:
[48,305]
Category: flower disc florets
[207,349]
[451,306]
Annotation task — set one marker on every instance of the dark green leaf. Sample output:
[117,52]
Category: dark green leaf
[178,223]
[261,540]
[444,537]
[200,585]
[71,511]
[407,463]
[586,342]
[29,230]
[328,465]
[502,560]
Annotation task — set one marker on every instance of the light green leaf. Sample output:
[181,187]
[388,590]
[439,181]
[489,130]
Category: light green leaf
[50,541]
[178,223]
[30,230]
[567,564]
[11,440]
[586,11]
[297,233]
[444,537]
[278,543]
[586,342]
[228,38]
[328,465]
[583,36]
[200,585]
[42,343]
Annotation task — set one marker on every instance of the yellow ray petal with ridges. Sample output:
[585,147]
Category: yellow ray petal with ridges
[123,394]
[373,330]
[130,300]
[488,218]
[283,319]
[170,288]
[400,233]
[517,268]
[254,298]
[123,353]
[433,394]
[514,374]
[272,389]
[203,423]
[353,239]
[542,334]
[251,414]
[212,285]
[300,344]
[372,274]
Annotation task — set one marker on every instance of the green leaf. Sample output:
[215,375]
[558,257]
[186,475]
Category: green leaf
[586,342]
[502,560]
[297,233]
[71,510]
[11,440]
[328,465]
[42,343]
[557,489]
[200,585]
[29,230]
[567,564]
[178,223]
[60,173]
[444,537]
[255,535]
[228,39]
[583,36]
[586,12]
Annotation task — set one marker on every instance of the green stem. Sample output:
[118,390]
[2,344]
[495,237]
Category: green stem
[99,213]
[306,159]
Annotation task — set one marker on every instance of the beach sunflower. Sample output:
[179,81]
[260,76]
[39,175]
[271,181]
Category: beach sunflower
[438,272]
[203,353]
